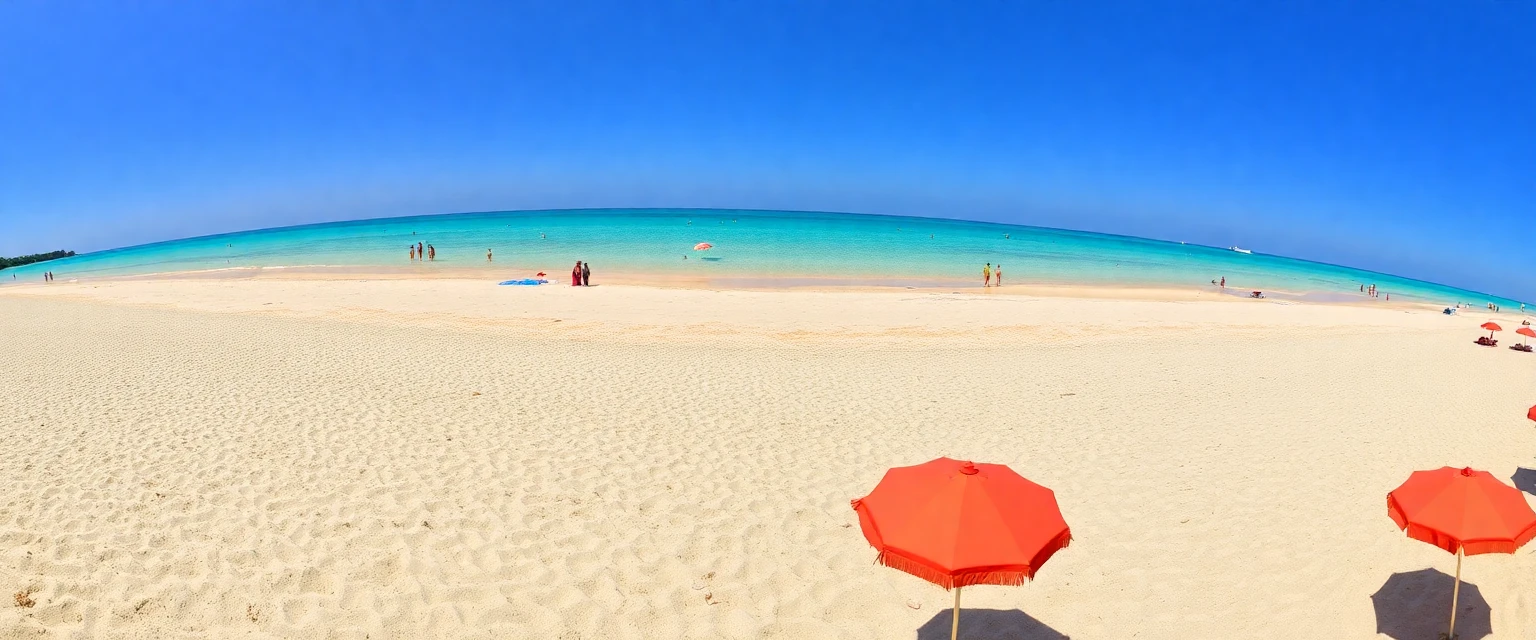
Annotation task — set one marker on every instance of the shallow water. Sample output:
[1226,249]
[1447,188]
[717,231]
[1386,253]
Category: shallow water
[749,246]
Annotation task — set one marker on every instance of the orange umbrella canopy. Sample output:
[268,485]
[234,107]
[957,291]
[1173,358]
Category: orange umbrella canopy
[955,523]
[1462,509]
[1492,326]
[1526,331]
[703,246]
[1531,414]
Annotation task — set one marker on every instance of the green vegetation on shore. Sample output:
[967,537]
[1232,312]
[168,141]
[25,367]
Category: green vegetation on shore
[36,257]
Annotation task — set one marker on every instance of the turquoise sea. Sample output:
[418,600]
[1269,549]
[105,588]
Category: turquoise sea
[759,247]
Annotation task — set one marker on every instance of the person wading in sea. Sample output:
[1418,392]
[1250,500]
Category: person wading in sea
[986,275]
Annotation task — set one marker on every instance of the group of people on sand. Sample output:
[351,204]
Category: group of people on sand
[581,274]
[429,252]
[991,275]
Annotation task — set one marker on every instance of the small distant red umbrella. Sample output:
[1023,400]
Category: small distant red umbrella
[954,523]
[1531,414]
[1463,511]
[541,274]
[703,246]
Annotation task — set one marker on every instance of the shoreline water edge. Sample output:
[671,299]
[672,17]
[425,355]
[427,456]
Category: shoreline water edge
[748,250]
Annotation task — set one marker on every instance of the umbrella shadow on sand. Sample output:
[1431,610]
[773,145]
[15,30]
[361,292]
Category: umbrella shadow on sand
[989,624]
[1417,605]
[1525,480]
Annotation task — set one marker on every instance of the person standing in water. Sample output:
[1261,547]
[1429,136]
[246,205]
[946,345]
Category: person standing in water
[986,275]
[997,274]
[488,255]
[413,253]
[431,253]
[421,251]
[586,274]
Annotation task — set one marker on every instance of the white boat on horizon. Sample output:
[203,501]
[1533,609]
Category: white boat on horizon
[1239,250]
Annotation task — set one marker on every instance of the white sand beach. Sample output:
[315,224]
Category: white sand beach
[397,458]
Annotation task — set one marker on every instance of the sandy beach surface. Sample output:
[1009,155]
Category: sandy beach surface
[399,458]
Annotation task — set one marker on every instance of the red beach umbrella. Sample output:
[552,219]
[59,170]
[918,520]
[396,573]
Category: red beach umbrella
[1491,327]
[1526,331]
[1463,511]
[1531,414]
[954,523]
[703,246]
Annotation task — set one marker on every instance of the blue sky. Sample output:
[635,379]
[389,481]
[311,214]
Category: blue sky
[1395,136]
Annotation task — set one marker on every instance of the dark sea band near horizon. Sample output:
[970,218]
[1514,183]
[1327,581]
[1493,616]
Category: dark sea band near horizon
[756,245]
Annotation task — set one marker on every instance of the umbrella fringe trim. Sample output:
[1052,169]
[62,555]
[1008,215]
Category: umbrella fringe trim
[1450,543]
[943,579]
[1009,578]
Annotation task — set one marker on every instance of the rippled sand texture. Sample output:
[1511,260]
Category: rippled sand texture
[645,469]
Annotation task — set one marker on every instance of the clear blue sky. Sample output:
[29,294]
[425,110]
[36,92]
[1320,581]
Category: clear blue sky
[1396,135]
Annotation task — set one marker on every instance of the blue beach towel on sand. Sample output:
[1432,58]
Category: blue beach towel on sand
[525,281]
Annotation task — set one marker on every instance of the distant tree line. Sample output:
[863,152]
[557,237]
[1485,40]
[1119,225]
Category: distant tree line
[36,257]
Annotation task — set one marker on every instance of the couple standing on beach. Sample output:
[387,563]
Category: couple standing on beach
[581,274]
[428,252]
[989,273]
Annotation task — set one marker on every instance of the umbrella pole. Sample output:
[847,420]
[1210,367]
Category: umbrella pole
[954,624]
[1455,595]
